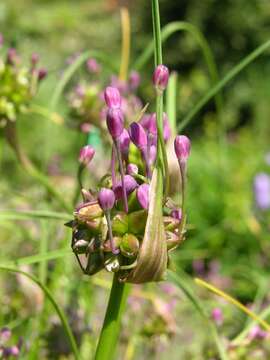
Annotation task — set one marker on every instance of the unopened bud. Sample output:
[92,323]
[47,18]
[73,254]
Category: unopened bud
[138,135]
[129,245]
[34,59]
[42,73]
[143,195]
[115,122]
[106,199]
[112,97]
[161,77]
[182,147]
[134,79]
[132,169]
[88,211]
[86,154]
[124,141]
[130,185]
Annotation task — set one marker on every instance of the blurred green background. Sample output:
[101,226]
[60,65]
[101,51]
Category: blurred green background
[228,238]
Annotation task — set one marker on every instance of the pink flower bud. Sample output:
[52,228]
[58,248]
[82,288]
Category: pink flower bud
[134,79]
[124,141]
[130,185]
[34,59]
[42,73]
[132,169]
[152,154]
[217,316]
[12,56]
[115,122]
[138,135]
[86,155]
[161,77]
[92,66]
[182,147]
[176,214]
[143,195]
[112,97]
[106,199]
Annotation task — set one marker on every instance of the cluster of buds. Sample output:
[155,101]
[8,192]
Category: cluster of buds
[86,101]
[18,84]
[8,351]
[120,226]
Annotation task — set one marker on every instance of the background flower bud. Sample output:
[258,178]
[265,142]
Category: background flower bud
[112,97]
[143,195]
[106,199]
[115,122]
[161,77]
[132,169]
[34,58]
[42,73]
[182,147]
[86,154]
[134,79]
[138,135]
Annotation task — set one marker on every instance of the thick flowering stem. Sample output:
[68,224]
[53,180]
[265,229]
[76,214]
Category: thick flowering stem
[110,331]
[121,168]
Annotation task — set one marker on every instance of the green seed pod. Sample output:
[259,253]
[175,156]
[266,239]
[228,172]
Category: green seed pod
[88,211]
[107,244]
[120,224]
[137,222]
[129,245]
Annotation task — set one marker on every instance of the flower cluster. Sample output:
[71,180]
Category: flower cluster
[86,101]
[18,84]
[114,227]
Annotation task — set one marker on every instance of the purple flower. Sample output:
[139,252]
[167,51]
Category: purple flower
[166,127]
[106,199]
[262,191]
[132,169]
[152,154]
[138,135]
[124,141]
[5,334]
[92,66]
[112,97]
[42,73]
[161,77]
[176,214]
[182,147]
[257,333]
[143,195]
[134,79]
[217,316]
[130,185]
[115,122]
[86,155]
[34,59]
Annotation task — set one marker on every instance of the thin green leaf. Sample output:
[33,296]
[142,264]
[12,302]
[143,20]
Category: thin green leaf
[57,308]
[223,82]
[32,214]
[181,280]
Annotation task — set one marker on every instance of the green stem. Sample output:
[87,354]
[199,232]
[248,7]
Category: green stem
[32,214]
[59,311]
[111,327]
[171,29]
[162,155]
[223,82]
